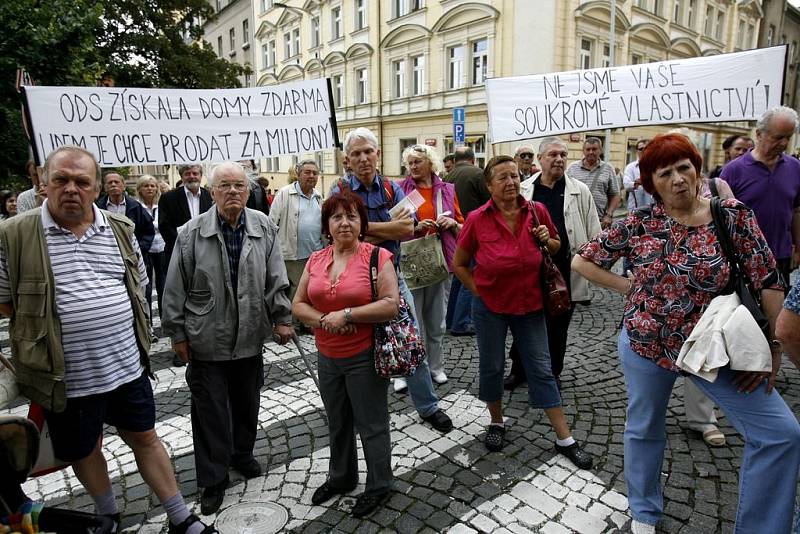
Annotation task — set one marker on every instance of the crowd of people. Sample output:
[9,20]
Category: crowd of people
[233,269]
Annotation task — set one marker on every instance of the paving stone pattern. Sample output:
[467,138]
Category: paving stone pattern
[445,483]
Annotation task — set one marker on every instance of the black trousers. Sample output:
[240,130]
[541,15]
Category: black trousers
[225,405]
[785,268]
[156,264]
[557,330]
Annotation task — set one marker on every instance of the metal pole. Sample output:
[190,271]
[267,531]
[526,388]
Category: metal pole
[612,37]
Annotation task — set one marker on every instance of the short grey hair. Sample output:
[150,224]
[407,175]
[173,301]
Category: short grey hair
[360,134]
[98,177]
[228,167]
[142,181]
[777,112]
[303,163]
[428,153]
[521,148]
[183,168]
[547,142]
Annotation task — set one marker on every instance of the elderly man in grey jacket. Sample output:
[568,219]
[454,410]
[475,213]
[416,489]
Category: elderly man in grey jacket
[225,295]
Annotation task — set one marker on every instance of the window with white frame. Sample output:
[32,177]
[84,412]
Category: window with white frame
[606,60]
[296,40]
[653,6]
[319,157]
[720,25]
[336,22]
[476,142]
[770,34]
[585,59]
[337,81]
[245,31]
[265,5]
[690,10]
[272,51]
[480,61]
[315,37]
[219,46]
[636,59]
[455,70]
[399,78]
[361,14]
[265,55]
[404,7]
[741,33]
[232,38]
[418,64]
[751,31]
[676,11]
[708,28]
[272,164]
[287,45]
[361,86]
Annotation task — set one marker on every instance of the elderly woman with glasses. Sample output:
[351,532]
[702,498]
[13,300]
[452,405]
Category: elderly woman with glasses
[440,214]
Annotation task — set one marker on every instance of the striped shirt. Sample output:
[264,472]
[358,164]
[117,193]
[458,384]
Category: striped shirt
[601,181]
[97,322]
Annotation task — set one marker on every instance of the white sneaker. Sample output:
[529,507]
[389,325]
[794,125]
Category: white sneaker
[439,378]
[637,527]
[400,385]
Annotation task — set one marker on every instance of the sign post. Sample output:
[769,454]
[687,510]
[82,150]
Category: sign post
[459,136]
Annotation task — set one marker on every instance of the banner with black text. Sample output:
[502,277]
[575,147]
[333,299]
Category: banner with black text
[129,126]
[726,87]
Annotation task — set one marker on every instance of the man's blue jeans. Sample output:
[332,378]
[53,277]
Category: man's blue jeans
[420,385]
[769,467]
[459,308]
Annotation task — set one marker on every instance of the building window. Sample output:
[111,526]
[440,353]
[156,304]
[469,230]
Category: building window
[653,6]
[219,46]
[273,164]
[480,61]
[418,62]
[476,142]
[232,38]
[399,78]
[219,4]
[319,157]
[245,32]
[606,55]
[740,34]
[361,86]
[265,5]
[296,39]
[455,73]
[676,12]
[404,7]
[265,56]
[315,32]
[336,22]
[720,25]
[338,89]
[770,34]
[690,5]
[709,25]
[585,61]
[405,142]
[636,59]
[287,45]
[361,14]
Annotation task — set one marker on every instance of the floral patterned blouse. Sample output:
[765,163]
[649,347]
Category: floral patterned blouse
[792,302]
[677,271]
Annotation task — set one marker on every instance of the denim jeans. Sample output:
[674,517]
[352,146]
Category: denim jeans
[429,309]
[420,385]
[530,335]
[459,308]
[769,467]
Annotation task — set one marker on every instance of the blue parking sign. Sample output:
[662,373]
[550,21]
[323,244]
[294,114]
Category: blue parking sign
[458,126]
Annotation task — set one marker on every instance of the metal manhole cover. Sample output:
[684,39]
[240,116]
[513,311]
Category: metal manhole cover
[252,518]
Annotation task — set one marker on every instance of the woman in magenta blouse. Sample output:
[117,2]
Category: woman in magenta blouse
[334,297]
[504,243]
[678,268]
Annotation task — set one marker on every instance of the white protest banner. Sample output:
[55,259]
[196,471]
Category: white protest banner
[128,126]
[726,87]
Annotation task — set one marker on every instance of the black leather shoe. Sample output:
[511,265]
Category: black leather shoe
[177,362]
[115,518]
[366,504]
[212,497]
[576,455]
[189,521]
[249,468]
[512,381]
[440,421]
[327,492]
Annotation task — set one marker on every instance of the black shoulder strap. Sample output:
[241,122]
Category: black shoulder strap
[712,186]
[373,271]
[725,241]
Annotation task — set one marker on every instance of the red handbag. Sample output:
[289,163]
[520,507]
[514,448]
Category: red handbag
[554,287]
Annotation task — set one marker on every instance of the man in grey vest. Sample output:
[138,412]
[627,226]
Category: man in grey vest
[72,281]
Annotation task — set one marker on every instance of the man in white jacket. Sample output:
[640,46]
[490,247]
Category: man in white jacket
[574,214]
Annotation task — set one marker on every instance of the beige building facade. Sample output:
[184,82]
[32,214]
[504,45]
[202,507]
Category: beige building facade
[400,67]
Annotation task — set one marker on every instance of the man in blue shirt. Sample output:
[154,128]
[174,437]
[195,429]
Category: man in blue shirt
[361,149]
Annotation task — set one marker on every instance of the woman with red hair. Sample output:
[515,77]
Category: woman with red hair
[678,268]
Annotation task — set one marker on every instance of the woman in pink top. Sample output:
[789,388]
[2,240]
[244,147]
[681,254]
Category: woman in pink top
[334,297]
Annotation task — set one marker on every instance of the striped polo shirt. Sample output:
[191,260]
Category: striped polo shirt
[97,322]
[602,182]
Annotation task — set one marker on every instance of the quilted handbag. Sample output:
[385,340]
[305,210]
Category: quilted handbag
[554,287]
[422,260]
[398,347]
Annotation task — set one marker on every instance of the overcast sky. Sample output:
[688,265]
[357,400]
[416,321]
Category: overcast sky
[795,3]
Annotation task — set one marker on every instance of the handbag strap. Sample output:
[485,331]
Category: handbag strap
[724,237]
[534,226]
[373,271]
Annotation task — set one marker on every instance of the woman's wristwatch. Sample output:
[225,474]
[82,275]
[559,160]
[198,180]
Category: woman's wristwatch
[348,315]
[775,344]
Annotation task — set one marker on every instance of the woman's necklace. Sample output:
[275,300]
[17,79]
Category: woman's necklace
[344,258]
[678,237]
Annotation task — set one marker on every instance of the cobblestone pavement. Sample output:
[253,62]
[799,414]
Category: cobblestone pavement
[446,483]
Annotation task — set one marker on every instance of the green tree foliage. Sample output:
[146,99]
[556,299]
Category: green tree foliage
[139,43]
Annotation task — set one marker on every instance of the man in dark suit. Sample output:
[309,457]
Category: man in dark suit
[117,200]
[179,206]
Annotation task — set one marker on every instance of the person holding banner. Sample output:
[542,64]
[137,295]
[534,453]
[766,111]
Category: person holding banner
[505,238]
[85,370]
[678,268]
[601,178]
[768,180]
